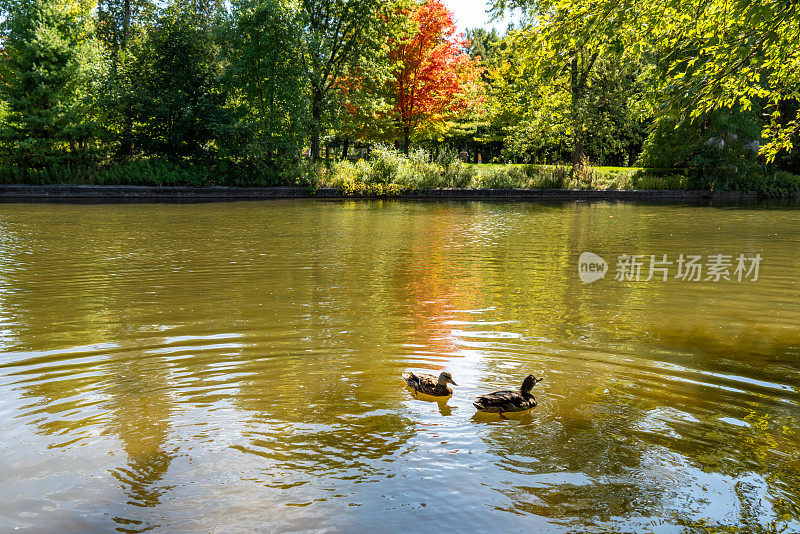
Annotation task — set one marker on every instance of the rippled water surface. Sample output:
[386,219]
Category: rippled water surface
[231,367]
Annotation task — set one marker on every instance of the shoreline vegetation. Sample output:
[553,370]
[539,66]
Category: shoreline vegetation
[382,98]
[387,172]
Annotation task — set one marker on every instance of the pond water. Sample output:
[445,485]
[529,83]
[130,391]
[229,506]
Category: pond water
[236,366]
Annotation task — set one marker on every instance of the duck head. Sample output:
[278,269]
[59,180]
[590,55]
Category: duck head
[446,378]
[527,385]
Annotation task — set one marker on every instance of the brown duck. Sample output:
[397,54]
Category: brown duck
[509,401]
[429,384]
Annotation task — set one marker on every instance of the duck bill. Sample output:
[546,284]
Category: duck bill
[453,382]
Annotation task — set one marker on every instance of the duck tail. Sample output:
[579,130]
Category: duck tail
[407,375]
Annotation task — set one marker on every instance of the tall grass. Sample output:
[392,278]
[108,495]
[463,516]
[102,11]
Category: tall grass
[387,172]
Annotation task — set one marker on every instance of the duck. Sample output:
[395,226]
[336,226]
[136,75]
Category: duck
[429,384]
[509,401]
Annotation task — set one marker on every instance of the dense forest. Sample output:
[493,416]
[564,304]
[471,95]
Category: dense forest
[387,93]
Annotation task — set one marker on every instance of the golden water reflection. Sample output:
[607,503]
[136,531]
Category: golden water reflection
[236,367]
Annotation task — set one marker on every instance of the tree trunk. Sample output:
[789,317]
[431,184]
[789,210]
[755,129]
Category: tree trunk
[575,94]
[579,76]
[406,139]
[577,153]
[126,23]
[345,148]
[316,118]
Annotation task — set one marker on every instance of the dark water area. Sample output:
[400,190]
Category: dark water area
[232,367]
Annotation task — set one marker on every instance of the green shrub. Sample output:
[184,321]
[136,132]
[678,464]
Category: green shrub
[458,175]
[613,178]
[773,184]
[150,171]
[557,177]
[357,179]
[421,173]
[673,181]
[454,172]
[717,150]
[387,165]
[505,177]
[782,184]
[310,175]
[389,173]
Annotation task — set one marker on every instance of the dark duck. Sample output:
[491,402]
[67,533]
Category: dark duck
[509,401]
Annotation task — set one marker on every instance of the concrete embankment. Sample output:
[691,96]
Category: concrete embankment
[115,193]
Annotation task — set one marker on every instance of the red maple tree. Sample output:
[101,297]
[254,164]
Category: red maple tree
[435,74]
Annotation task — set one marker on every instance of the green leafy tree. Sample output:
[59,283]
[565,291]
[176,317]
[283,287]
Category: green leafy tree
[710,55]
[338,35]
[267,89]
[482,44]
[50,67]
[176,93]
[731,54]
[118,23]
[552,103]
[719,151]
[362,111]
[564,50]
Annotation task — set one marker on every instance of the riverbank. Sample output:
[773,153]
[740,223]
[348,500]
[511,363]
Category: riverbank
[388,173]
[111,193]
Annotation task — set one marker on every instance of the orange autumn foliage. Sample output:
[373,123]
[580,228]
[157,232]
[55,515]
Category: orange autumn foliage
[435,75]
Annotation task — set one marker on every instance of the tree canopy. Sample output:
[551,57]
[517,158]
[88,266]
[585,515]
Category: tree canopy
[245,88]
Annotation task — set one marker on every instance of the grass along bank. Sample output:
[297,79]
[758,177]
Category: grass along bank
[388,172]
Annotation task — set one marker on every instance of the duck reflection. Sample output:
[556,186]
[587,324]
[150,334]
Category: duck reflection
[525,417]
[444,408]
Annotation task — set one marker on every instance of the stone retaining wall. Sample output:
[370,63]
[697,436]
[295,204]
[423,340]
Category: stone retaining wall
[185,193]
